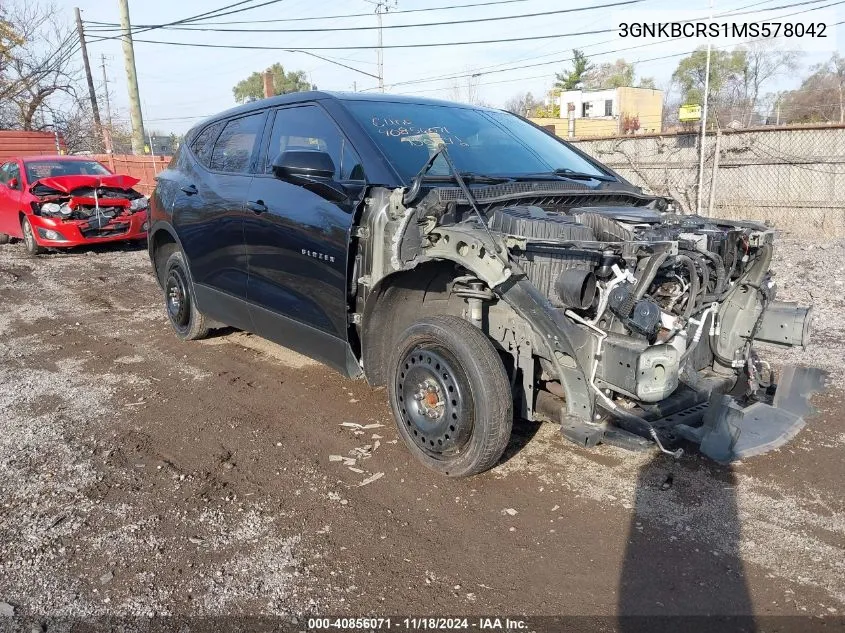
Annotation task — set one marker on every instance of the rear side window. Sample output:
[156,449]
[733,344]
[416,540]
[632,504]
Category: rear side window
[236,142]
[309,128]
[203,144]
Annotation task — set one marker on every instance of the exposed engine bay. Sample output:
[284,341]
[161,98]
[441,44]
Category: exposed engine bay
[625,321]
[96,203]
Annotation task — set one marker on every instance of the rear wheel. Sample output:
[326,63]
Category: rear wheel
[450,396]
[4,238]
[30,246]
[180,304]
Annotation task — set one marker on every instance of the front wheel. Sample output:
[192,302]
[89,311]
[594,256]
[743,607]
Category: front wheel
[450,396]
[30,246]
[4,238]
[180,304]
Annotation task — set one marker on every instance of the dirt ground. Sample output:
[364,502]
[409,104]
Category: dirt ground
[144,476]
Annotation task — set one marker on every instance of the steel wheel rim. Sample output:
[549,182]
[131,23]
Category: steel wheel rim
[177,300]
[28,237]
[434,402]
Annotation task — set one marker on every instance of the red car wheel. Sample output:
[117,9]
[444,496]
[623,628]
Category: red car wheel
[30,245]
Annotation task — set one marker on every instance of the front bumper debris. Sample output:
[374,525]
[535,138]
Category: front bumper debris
[731,432]
[82,232]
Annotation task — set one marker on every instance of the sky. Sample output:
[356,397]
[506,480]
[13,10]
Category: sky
[179,86]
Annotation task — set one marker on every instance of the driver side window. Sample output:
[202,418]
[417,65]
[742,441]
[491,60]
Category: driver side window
[309,128]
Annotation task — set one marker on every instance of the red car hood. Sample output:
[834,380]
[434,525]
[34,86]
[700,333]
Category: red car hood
[66,184]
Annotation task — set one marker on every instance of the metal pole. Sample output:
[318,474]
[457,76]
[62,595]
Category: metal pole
[153,153]
[714,174]
[107,130]
[135,116]
[703,124]
[106,89]
[380,50]
[90,80]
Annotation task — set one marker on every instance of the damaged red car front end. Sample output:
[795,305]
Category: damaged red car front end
[86,209]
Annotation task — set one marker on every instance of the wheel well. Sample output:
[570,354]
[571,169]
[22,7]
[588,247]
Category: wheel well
[398,301]
[162,246]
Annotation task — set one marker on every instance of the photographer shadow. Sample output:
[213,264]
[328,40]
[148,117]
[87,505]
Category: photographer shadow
[672,579]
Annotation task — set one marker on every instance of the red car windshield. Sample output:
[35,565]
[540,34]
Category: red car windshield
[36,170]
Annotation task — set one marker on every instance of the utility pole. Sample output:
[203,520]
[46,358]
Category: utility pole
[108,129]
[135,116]
[380,50]
[382,6]
[700,193]
[268,84]
[91,93]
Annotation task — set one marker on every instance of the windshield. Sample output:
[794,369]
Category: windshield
[36,170]
[479,141]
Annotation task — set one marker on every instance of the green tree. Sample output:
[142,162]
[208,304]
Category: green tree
[252,87]
[647,82]
[610,75]
[619,74]
[569,79]
[726,71]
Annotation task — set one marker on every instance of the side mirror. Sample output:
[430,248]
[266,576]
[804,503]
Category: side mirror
[13,183]
[296,164]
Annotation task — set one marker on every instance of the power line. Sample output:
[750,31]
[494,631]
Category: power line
[331,61]
[358,48]
[214,13]
[407,26]
[545,75]
[337,17]
[481,71]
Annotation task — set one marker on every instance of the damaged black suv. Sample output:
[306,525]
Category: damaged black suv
[482,269]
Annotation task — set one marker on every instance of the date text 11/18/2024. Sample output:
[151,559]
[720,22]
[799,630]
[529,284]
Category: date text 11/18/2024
[418,624]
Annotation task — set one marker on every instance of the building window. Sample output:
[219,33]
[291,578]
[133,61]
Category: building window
[608,107]
[585,109]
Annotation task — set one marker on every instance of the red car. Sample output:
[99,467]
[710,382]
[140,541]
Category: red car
[62,201]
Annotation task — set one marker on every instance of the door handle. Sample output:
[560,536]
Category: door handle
[191,190]
[256,206]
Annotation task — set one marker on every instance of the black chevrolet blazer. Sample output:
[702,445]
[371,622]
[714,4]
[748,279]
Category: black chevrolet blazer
[480,267]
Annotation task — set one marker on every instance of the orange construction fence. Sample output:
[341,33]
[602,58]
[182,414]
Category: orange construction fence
[14,143]
[144,167]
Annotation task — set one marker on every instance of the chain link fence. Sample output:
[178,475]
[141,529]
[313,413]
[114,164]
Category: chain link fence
[792,178]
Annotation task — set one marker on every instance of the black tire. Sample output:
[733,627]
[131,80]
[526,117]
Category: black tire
[4,238]
[448,360]
[30,246]
[179,302]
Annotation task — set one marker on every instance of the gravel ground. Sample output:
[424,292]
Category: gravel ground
[143,476]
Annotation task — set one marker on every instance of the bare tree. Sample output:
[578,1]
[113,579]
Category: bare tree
[523,104]
[40,69]
[821,97]
[762,64]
